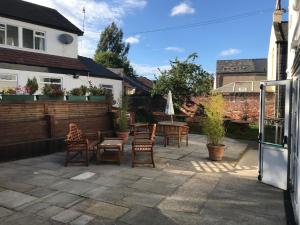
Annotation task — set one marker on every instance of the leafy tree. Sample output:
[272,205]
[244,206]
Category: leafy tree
[112,51]
[185,79]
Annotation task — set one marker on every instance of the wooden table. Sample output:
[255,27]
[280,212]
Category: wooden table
[113,149]
[170,129]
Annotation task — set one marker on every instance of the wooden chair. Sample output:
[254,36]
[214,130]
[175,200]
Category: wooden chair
[144,145]
[78,143]
[176,133]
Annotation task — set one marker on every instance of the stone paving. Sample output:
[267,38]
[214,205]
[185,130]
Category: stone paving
[185,188]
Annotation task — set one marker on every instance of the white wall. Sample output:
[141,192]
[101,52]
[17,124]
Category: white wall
[53,46]
[68,82]
[272,56]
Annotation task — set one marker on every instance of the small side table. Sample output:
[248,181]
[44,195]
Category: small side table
[113,149]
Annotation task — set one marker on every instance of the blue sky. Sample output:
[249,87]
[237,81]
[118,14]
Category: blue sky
[247,37]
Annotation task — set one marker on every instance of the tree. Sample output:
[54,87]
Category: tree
[112,51]
[185,79]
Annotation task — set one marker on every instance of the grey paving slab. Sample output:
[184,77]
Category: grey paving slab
[82,220]
[63,199]
[142,198]
[16,186]
[74,187]
[147,216]
[50,211]
[107,210]
[66,216]
[41,179]
[5,212]
[40,192]
[12,199]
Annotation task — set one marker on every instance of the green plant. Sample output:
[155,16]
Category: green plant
[81,91]
[53,90]
[94,90]
[122,122]
[8,91]
[32,85]
[213,127]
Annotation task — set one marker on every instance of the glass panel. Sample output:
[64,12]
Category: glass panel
[2,36]
[27,38]
[12,35]
[39,43]
[274,114]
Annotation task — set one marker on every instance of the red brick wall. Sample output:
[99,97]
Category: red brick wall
[240,106]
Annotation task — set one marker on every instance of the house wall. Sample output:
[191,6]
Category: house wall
[53,46]
[230,78]
[68,82]
[272,56]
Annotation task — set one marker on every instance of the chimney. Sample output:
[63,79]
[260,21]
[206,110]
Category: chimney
[277,16]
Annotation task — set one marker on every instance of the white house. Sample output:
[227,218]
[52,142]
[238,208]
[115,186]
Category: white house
[36,41]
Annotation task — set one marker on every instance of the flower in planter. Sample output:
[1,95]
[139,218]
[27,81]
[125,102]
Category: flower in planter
[81,91]
[32,86]
[8,91]
[96,91]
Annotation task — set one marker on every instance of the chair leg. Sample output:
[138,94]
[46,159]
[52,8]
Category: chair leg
[152,158]
[87,157]
[67,159]
[187,140]
[132,157]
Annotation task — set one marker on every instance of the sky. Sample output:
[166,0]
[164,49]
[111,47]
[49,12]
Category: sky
[230,29]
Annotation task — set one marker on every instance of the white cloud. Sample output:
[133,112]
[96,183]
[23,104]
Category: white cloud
[147,70]
[229,52]
[133,39]
[98,15]
[175,49]
[181,9]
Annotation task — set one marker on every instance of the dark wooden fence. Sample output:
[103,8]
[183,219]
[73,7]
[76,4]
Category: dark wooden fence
[35,128]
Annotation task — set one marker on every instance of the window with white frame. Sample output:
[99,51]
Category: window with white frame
[108,87]
[2,33]
[12,35]
[51,80]
[8,81]
[33,39]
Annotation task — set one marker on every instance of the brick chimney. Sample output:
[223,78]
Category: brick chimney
[277,15]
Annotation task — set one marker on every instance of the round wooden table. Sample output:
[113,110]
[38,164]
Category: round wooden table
[171,130]
[174,123]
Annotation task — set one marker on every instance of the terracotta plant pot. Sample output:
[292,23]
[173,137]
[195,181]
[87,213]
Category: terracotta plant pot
[216,152]
[124,135]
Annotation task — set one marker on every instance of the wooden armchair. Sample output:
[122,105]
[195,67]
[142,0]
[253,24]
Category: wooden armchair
[79,143]
[144,145]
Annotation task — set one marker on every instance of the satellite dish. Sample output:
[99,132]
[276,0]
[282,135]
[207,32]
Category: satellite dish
[65,39]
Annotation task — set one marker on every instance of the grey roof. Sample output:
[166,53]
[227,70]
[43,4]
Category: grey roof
[281,30]
[36,14]
[97,70]
[242,66]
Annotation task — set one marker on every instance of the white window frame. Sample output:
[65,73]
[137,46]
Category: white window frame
[4,33]
[50,77]
[19,36]
[9,74]
[39,36]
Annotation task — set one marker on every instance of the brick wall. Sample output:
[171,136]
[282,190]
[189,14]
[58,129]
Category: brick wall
[241,106]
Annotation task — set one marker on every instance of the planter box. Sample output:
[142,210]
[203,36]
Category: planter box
[17,98]
[49,98]
[75,98]
[96,98]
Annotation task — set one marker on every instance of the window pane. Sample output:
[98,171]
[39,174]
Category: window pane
[27,38]
[2,36]
[39,34]
[12,36]
[39,43]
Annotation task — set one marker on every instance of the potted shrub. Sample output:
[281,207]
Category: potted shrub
[213,127]
[77,94]
[122,121]
[96,93]
[51,92]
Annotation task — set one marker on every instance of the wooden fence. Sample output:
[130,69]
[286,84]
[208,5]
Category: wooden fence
[34,128]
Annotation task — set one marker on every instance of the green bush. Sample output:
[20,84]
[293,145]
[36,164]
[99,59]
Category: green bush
[81,91]
[94,90]
[53,90]
[32,85]
[213,127]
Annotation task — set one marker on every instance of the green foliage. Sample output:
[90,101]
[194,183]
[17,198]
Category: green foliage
[122,123]
[213,127]
[32,85]
[52,90]
[96,91]
[185,79]
[81,91]
[112,51]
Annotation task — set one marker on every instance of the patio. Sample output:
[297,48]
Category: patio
[184,188]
